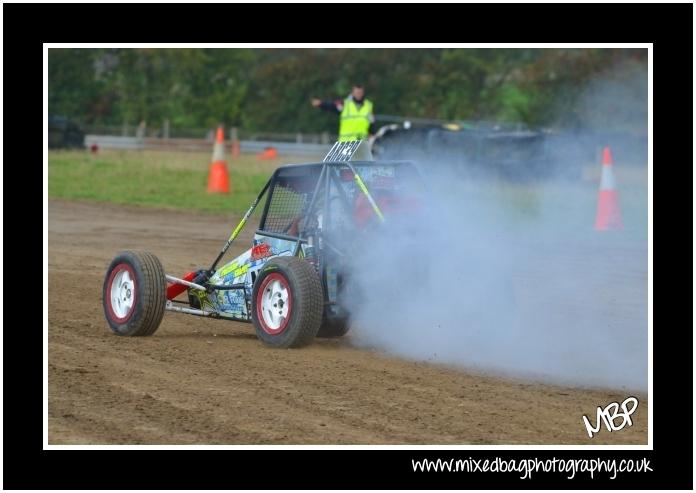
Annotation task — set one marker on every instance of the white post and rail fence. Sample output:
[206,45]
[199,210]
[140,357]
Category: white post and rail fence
[168,137]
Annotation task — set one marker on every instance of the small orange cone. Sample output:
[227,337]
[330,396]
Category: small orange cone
[218,179]
[608,211]
[268,153]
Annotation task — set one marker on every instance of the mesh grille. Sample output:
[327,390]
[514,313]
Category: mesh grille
[290,199]
[286,206]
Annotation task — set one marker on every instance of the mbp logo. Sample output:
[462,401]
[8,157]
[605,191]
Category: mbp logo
[610,414]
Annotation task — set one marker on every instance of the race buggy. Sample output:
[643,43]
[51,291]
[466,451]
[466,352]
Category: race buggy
[291,283]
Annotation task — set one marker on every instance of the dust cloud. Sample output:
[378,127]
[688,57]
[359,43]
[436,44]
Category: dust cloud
[507,275]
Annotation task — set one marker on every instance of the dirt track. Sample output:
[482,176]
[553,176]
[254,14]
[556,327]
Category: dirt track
[209,382]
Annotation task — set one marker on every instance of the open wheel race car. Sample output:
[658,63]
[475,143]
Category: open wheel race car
[291,283]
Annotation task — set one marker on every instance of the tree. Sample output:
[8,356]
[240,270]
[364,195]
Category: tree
[269,89]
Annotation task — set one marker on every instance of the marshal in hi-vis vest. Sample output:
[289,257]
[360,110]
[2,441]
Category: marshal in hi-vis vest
[355,123]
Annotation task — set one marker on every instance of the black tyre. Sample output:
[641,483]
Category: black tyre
[134,294]
[287,303]
[337,327]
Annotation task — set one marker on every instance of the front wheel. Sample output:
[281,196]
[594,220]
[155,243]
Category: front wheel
[134,294]
[287,303]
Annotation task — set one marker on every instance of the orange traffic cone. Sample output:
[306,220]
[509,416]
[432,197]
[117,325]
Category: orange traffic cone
[608,211]
[268,153]
[218,180]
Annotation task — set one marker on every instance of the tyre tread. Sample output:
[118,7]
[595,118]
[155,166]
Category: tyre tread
[151,289]
[308,301]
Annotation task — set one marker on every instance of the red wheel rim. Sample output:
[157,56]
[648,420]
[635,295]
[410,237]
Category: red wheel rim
[120,293]
[274,303]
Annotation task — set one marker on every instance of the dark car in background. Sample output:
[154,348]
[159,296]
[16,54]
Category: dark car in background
[64,133]
[508,152]
[485,150]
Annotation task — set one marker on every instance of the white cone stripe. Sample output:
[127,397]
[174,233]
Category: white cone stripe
[608,182]
[218,152]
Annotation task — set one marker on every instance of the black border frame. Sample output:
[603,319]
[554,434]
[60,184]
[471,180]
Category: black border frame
[668,26]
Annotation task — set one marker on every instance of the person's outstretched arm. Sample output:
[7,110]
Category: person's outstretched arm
[333,106]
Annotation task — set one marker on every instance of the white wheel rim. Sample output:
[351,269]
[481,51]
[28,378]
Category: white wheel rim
[122,294]
[274,304]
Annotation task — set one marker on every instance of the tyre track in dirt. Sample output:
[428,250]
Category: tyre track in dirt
[212,382]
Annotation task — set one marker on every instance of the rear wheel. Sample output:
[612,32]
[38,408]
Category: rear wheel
[134,294]
[287,303]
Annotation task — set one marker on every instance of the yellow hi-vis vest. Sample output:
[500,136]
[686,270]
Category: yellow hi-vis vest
[355,123]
